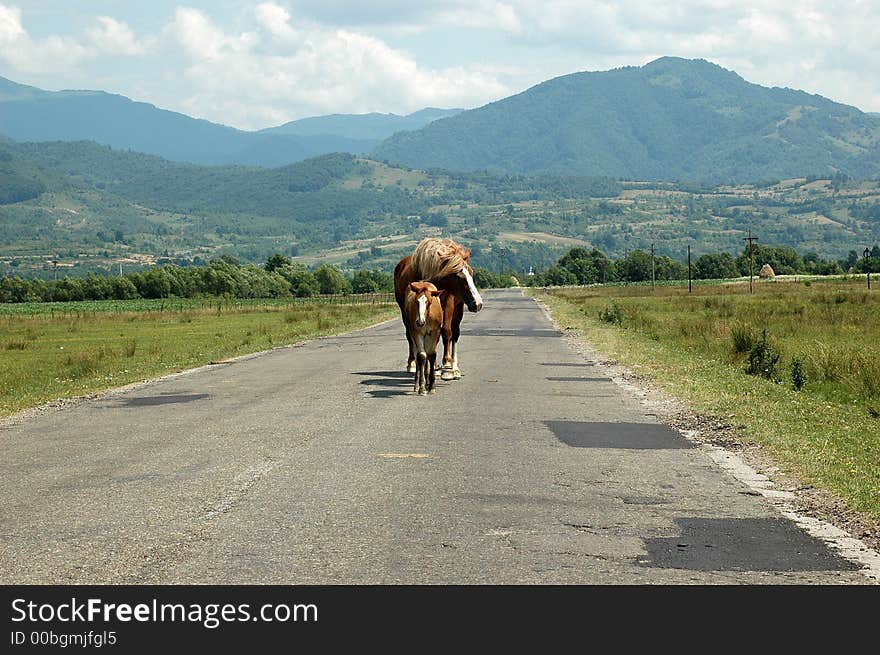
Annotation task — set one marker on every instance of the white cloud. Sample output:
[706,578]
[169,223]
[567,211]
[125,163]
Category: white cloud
[19,50]
[204,41]
[277,73]
[275,19]
[486,14]
[268,61]
[11,29]
[115,37]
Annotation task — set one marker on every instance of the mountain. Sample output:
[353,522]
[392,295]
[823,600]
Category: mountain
[672,119]
[31,114]
[370,128]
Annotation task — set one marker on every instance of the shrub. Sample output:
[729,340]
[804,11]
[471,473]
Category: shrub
[798,375]
[612,314]
[743,339]
[763,358]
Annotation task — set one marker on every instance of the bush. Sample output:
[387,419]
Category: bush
[612,314]
[743,339]
[763,358]
[798,374]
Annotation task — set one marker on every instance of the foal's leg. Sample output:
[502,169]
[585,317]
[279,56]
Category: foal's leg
[422,374]
[416,368]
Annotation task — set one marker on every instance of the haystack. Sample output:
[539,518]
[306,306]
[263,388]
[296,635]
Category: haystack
[766,272]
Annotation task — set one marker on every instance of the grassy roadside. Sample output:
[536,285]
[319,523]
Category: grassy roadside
[45,357]
[698,347]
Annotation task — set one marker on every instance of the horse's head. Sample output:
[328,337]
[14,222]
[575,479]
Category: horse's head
[466,289]
[448,264]
[425,294]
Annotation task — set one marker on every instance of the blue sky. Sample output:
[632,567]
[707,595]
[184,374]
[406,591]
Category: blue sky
[256,64]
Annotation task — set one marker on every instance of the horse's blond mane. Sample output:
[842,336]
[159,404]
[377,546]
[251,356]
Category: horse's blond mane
[436,258]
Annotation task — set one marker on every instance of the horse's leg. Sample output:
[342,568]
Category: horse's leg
[456,332]
[446,334]
[411,360]
[432,366]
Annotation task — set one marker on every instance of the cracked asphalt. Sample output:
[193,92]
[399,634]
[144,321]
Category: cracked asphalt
[318,464]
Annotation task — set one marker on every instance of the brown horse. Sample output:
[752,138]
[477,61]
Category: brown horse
[445,263]
[424,320]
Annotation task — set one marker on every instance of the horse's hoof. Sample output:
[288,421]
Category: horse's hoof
[432,391]
[456,374]
[447,375]
[422,392]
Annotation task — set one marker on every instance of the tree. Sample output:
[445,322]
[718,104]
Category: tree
[666,268]
[331,281]
[303,283]
[485,279]
[580,264]
[784,260]
[715,266]
[558,276]
[276,261]
[871,263]
[155,283]
[635,267]
[372,282]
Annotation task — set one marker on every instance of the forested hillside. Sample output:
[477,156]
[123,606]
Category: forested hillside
[672,119]
[88,207]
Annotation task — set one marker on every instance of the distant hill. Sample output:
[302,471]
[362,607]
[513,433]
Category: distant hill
[371,128]
[672,119]
[31,114]
[94,208]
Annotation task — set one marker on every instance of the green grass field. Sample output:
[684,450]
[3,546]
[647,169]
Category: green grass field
[81,348]
[813,396]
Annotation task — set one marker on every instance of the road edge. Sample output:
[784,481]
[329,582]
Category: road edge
[842,542]
[61,404]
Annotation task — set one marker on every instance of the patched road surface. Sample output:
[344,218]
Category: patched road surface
[317,464]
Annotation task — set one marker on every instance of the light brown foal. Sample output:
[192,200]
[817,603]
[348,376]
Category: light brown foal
[424,317]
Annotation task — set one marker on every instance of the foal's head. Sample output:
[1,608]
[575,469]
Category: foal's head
[426,293]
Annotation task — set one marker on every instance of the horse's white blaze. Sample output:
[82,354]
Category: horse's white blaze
[473,287]
[423,307]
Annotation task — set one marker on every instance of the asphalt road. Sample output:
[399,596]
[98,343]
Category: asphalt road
[318,464]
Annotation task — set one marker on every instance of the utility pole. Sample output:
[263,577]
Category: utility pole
[867,254]
[54,269]
[750,238]
[652,267]
[690,288]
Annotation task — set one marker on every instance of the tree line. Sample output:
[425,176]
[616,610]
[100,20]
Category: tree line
[280,277]
[582,266]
